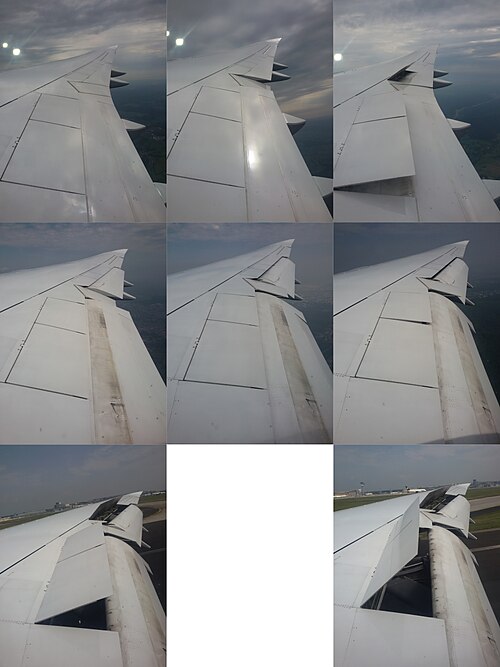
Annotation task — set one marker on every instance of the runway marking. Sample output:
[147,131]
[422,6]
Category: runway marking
[495,546]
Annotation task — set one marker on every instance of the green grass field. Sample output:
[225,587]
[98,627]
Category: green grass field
[155,498]
[483,493]
[485,520]
[23,519]
[347,503]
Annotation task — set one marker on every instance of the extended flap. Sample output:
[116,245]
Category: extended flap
[279,279]
[81,575]
[452,280]
[127,525]
[111,284]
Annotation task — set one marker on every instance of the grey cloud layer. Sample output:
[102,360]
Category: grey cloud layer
[306,47]
[58,28]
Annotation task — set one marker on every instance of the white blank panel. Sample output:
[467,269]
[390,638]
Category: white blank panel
[378,107]
[72,426]
[209,149]
[49,156]
[205,413]
[217,102]
[78,647]
[191,200]
[22,203]
[229,354]
[401,351]
[60,110]
[235,308]
[55,360]
[391,413]
[381,638]
[64,315]
[408,306]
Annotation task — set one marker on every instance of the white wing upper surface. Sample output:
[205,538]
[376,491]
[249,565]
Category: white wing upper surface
[55,571]
[397,158]
[373,544]
[65,154]
[73,367]
[407,369]
[242,363]
[230,153]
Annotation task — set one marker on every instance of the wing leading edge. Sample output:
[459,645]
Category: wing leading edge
[243,365]
[73,366]
[230,153]
[65,154]
[397,158]
[407,369]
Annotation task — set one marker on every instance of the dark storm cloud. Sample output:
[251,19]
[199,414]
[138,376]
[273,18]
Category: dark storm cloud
[306,46]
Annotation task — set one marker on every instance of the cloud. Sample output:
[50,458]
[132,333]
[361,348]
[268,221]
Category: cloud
[62,28]
[306,47]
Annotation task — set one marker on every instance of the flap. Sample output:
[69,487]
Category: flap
[81,575]
[386,149]
[453,515]
[451,281]
[372,543]
[278,280]
[111,284]
[127,525]
[130,498]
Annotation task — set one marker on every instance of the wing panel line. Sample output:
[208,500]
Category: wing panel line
[434,259]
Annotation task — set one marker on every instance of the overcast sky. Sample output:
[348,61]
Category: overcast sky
[27,246]
[395,466]
[467,33]
[36,477]
[61,28]
[366,244]
[191,245]
[306,47]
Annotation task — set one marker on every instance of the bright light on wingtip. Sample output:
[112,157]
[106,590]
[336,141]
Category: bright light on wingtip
[337,57]
[179,41]
[5,45]
[16,52]
[168,33]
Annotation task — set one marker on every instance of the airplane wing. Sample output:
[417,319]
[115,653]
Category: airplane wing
[73,367]
[395,608]
[73,591]
[407,369]
[65,154]
[230,153]
[242,364]
[397,158]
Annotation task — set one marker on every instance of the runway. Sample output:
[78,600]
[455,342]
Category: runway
[484,503]
[154,519]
